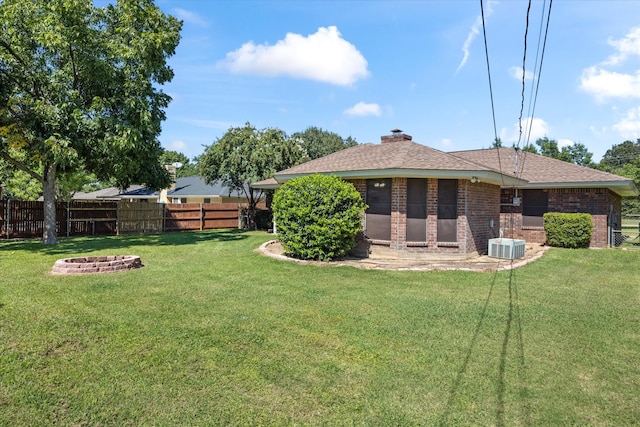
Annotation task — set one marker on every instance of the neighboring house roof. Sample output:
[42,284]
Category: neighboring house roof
[546,172]
[194,186]
[190,186]
[110,193]
[402,158]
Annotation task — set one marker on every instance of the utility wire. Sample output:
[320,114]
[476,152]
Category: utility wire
[524,68]
[486,52]
[493,110]
[539,74]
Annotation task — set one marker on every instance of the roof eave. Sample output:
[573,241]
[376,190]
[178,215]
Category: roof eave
[625,188]
[486,176]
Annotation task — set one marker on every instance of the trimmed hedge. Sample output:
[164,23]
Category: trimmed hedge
[568,230]
[317,217]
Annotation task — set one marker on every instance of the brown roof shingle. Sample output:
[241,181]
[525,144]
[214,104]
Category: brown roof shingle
[396,155]
[536,168]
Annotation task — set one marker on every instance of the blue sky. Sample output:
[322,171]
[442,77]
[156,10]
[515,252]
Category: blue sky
[362,68]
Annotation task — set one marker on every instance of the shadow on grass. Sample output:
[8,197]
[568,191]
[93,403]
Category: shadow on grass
[73,245]
[513,321]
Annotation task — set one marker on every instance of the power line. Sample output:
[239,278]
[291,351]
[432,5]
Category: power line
[524,68]
[493,110]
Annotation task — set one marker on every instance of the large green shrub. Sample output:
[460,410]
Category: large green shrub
[568,230]
[317,217]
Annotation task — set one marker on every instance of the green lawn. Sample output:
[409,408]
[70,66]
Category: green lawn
[211,333]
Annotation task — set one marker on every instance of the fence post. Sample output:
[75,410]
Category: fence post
[164,217]
[8,216]
[68,218]
[201,217]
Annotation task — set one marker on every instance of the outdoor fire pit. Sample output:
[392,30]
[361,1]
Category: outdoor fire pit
[96,264]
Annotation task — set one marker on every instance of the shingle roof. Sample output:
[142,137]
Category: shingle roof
[189,186]
[194,186]
[394,155]
[403,157]
[543,171]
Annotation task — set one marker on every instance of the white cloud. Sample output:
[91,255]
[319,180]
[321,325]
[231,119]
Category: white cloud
[629,127]
[625,47]
[516,73]
[364,109]
[608,84]
[189,17]
[532,129]
[324,56]
[446,142]
[177,145]
[473,33]
[564,143]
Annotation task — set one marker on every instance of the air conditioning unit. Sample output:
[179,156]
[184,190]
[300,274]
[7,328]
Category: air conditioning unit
[506,248]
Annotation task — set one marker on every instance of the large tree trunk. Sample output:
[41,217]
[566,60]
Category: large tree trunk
[49,236]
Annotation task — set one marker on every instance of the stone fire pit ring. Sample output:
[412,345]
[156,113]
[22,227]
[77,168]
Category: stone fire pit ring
[96,264]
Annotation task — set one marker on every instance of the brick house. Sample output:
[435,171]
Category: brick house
[427,201]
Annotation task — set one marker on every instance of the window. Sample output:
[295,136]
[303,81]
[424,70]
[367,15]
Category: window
[447,210]
[535,203]
[416,210]
[378,214]
[179,200]
[207,200]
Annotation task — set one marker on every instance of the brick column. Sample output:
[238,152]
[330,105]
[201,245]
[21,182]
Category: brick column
[399,213]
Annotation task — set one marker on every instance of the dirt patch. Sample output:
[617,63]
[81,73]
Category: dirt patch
[385,259]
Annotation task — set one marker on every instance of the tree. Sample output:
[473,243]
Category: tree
[624,160]
[497,143]
[619,155]
[187,168]
[318,142]
[81,91]
[578,154]
[245,155]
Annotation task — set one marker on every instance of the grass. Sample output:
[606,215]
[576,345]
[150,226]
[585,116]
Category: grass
[211,333]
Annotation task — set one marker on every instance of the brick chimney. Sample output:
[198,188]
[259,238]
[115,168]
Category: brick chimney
[396,136]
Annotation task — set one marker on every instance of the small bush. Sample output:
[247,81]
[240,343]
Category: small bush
[568,230]
[317,217]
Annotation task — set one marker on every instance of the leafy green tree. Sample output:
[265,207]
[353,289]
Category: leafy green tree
[318,142]
[187,168]
[624,160]
[549,148]
[530,148]
[497,143]
[245,155]
[619,155]
[81,90]
[578,154]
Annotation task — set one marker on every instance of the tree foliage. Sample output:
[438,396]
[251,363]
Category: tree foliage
[187,168]
[81,90]
[624,160]
[318,217]
[318,142]
[245,155]
[576,153]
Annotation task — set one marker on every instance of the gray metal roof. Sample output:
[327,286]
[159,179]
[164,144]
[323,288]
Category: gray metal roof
[189,186]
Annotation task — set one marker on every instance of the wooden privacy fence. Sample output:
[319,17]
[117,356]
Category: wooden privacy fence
[21,219]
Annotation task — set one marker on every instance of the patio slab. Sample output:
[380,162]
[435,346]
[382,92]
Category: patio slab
[386,259]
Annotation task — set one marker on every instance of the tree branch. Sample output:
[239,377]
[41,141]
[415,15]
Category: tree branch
[73,66]
[21,166]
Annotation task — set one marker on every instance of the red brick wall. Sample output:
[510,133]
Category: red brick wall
[481,212]
[594,201]
[477,205]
